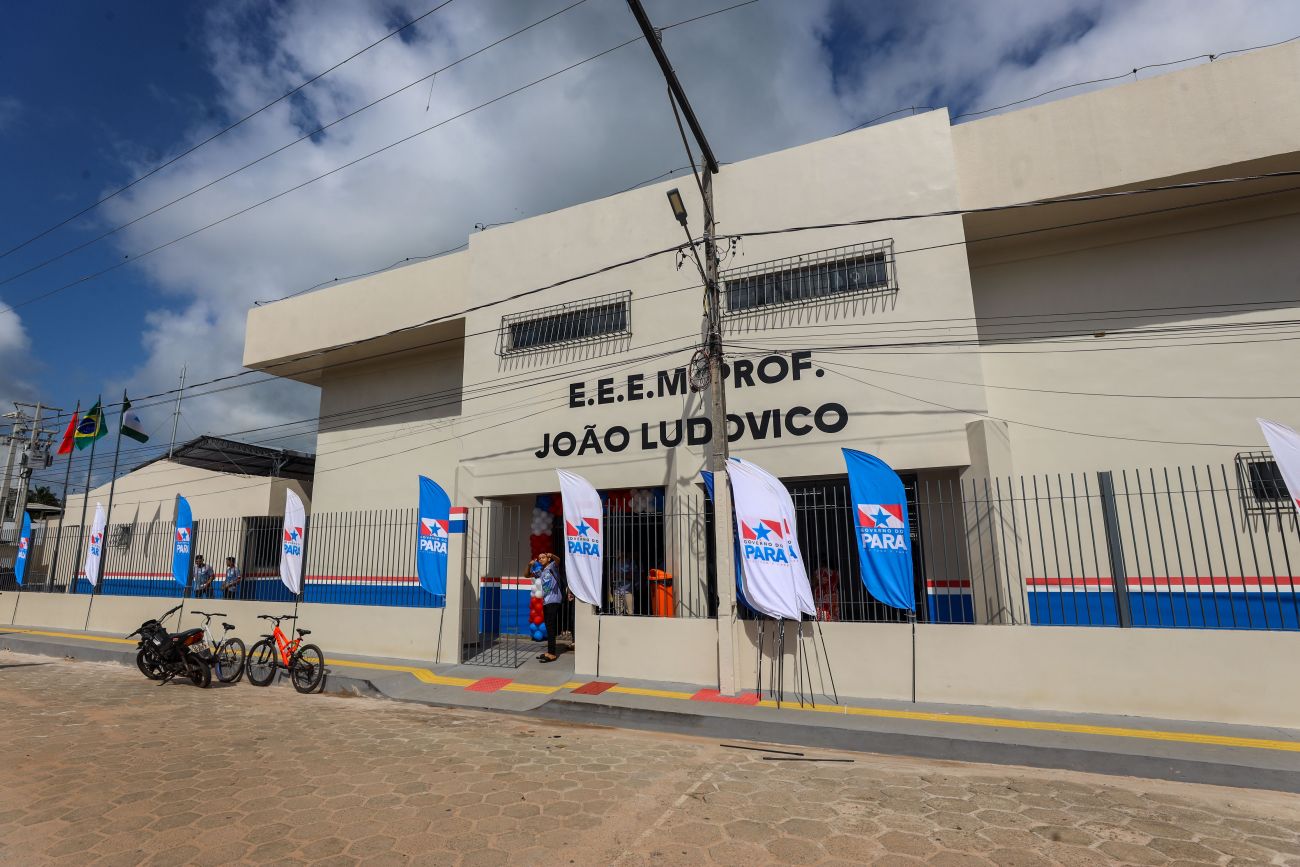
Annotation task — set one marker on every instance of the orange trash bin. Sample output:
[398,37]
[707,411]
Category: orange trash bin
[661,593]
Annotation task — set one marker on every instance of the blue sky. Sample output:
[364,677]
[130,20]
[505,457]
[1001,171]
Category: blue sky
[91,96]
[87,85]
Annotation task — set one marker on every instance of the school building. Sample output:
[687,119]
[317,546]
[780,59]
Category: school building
[1064,367]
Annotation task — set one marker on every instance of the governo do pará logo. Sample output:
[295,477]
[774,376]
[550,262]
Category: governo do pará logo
[584,538]
[881,526]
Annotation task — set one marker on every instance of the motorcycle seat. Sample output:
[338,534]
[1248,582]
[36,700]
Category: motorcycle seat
[181,636]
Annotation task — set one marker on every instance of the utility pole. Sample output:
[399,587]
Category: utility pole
[26,465]
[176,413]
[717,456]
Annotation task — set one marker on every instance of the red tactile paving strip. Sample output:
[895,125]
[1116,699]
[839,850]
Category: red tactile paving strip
[749,698]
[488,684]
[596,687]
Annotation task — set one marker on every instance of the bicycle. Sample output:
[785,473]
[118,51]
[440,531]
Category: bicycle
[226,655]
[304,662]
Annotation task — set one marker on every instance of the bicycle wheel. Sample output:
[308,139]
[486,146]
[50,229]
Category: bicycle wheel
[261,663]
[230,660]
[148,664]
[307,668]
[198,671]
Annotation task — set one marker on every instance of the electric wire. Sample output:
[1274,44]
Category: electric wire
[224,130]
[304,137]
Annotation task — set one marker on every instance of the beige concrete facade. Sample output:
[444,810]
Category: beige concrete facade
[1073,337]
[149,494]
[1040,328]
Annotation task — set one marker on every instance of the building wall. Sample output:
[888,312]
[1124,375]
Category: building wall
[383,423]
[149,494]
[1180,277]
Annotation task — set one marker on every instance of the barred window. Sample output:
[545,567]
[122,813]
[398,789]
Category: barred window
[812,277]
[1260,483]
[583,322]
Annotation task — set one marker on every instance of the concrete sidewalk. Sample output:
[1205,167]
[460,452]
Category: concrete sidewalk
[1244,756]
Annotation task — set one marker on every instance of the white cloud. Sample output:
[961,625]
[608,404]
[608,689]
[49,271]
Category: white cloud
[15,359]
[762,77]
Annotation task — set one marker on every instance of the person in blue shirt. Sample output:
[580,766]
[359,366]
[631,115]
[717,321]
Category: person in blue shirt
[552,598]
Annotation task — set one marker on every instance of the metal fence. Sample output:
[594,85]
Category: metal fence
[351,558]
[1190,547]
[1171,547]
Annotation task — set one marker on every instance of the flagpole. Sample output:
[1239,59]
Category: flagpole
[112,485]
[67,476]
[85,501]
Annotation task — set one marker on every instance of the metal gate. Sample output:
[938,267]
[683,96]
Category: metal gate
[498,587]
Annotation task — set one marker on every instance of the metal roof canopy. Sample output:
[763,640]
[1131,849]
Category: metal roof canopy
[231,456]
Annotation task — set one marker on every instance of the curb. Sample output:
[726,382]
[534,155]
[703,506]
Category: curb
[921,746]
[334,684]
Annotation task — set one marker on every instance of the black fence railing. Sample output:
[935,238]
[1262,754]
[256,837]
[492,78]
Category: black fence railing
[1191,547]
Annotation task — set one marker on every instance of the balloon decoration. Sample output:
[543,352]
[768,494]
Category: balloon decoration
[536,613]
[539,540]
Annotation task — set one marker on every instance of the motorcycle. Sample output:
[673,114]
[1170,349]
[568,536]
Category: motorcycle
[162,656]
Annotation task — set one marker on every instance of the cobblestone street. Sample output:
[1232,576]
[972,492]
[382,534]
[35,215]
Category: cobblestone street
[102,767]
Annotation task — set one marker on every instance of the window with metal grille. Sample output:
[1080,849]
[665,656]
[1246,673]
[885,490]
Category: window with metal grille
[812,277]
[562,324]
[1260,483]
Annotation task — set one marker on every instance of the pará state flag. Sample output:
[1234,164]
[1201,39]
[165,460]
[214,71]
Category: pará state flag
[764,532]
[789,525]
[131,425]
[1284,443]
[583,540]
[431,537]
[24,548]
[291,548]
[880,524]
[95,548]
[91,427]
[183,543]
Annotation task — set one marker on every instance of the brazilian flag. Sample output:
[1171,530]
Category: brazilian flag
[91,427]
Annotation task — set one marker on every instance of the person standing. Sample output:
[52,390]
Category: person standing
[552,598]
[203,578]
[230,587]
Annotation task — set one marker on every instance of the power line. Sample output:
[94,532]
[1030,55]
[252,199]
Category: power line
[1104,80]
[131,259]
[644,257]
[456,420]
[1037,426]
[225,130]
[281,149]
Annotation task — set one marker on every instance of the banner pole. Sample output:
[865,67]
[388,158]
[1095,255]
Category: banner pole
[14,617]
[780,661]
[798,662]
[912,616]
[807,667]
[758,685]
[112,484]
[85,501]
[58,539]
[600,624]
[830,672]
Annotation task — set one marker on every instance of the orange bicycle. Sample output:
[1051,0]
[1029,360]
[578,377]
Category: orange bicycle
[304,662]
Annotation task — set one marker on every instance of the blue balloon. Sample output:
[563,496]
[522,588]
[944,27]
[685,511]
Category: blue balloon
[544,502]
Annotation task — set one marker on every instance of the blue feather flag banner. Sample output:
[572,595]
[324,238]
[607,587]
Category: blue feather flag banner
[882,530]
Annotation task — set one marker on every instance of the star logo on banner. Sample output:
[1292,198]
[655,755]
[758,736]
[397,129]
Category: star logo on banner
[881,518]
[582,528]
[762,532]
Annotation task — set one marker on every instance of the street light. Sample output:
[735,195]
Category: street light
[678,206]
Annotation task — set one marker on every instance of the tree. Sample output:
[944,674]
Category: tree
[44,496]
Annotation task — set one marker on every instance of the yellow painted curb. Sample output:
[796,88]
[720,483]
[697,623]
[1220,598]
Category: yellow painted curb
[425,675]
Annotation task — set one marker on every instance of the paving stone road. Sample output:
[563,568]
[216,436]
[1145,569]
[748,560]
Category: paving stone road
[99,766]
